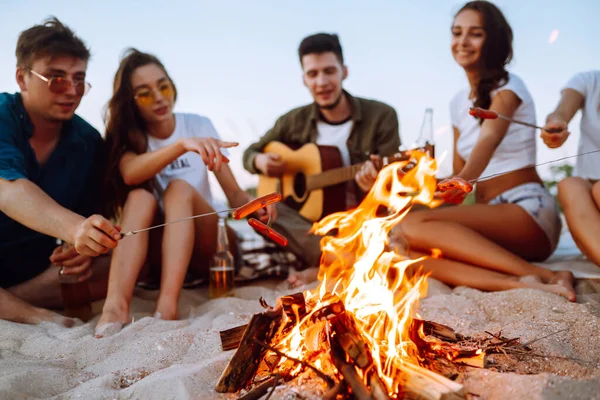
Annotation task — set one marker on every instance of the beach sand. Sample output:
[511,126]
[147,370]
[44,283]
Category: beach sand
[155,359]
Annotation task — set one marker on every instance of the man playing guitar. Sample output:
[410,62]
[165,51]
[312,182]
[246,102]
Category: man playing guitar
[361,129]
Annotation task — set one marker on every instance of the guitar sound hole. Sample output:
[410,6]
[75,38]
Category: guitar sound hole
[300,185]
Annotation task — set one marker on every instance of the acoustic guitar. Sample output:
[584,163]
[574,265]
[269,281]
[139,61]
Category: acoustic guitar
[314,180]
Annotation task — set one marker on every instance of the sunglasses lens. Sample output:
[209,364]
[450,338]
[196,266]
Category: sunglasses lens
[144,98]
[59,85]
[81,88]
[166,91]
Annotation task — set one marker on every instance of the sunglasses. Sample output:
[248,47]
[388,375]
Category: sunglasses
[147,97]
[60,85]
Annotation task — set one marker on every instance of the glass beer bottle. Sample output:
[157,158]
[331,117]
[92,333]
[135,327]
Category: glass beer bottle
[76,295]
[221,270]
[425,141]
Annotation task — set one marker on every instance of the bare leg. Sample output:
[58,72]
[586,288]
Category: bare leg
[177,246]
[485,236]
[14,309]
[460,274]
[581,203]
[127,260]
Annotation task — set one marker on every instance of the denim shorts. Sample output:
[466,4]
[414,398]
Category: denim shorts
[539,204]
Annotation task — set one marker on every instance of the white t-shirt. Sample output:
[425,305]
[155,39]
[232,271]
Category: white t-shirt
[588,84]
[518,147]
[189,166]
[337,135]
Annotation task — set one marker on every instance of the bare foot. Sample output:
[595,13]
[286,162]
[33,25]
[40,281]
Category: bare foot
[533,282]
[12,308]
[43,315]
[301,278]
[112,321]
[166,309]
[567,280]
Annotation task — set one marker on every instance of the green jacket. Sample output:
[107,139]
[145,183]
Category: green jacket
[375,131]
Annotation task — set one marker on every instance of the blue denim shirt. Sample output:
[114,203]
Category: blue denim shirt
[70,176]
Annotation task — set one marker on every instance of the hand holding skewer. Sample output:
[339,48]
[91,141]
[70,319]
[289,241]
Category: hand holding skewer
[454,190]
[554,140]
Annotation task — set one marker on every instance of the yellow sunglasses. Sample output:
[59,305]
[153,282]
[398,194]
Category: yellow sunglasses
[146,97]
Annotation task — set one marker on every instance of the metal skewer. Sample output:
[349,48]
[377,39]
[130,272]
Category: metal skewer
[535,165]
[174,222]
[489,114]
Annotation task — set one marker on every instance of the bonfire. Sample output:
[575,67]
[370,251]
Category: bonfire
[358,332]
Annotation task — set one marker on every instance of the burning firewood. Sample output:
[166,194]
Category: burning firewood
[355,329]
[244,364]
[294,307]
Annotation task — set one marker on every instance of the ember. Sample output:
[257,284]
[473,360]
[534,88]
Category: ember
[358,326]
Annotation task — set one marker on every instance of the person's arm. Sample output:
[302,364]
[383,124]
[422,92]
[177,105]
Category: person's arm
[138,168]
[387,141]
[250,154]
[491,134]
[457,161]
[24,202]
[570,102]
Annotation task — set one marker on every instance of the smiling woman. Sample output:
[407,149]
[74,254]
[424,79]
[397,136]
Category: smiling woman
[486,251]
[158,169]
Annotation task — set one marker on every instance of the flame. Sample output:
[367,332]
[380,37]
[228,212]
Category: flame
[380,287]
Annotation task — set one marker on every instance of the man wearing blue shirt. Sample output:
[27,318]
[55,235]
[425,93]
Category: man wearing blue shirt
[50,166]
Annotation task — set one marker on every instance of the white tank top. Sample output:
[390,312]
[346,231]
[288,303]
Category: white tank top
[518,148]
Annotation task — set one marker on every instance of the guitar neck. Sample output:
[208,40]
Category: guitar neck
[332,177]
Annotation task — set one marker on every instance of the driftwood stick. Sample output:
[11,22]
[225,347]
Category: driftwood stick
[429,385]
[274,386]
[244,364]
[320,374]
[260,390]
[348,371]
[350,339]
[378,389]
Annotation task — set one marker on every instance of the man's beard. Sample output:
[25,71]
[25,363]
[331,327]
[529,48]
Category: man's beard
[334,104]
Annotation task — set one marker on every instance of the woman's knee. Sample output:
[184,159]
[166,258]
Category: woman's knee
[408,229]
[571,189]
[177,191]
[142,199]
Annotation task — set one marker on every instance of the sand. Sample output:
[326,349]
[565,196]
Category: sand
[154,359]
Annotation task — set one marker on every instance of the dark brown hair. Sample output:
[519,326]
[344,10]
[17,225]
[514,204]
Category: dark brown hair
[125,127]
[321,43]
[497,51]
[51,39]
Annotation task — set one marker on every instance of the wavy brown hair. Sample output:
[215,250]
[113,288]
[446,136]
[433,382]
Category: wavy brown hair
[497,51]
[125,128]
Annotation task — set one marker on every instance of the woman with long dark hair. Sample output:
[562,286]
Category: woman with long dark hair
[158,171]
[490,245]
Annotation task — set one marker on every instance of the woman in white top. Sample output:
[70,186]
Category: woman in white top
[579,196]
[158,171]
[490,245]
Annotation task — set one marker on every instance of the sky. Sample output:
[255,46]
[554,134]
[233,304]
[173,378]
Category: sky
[236,61]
